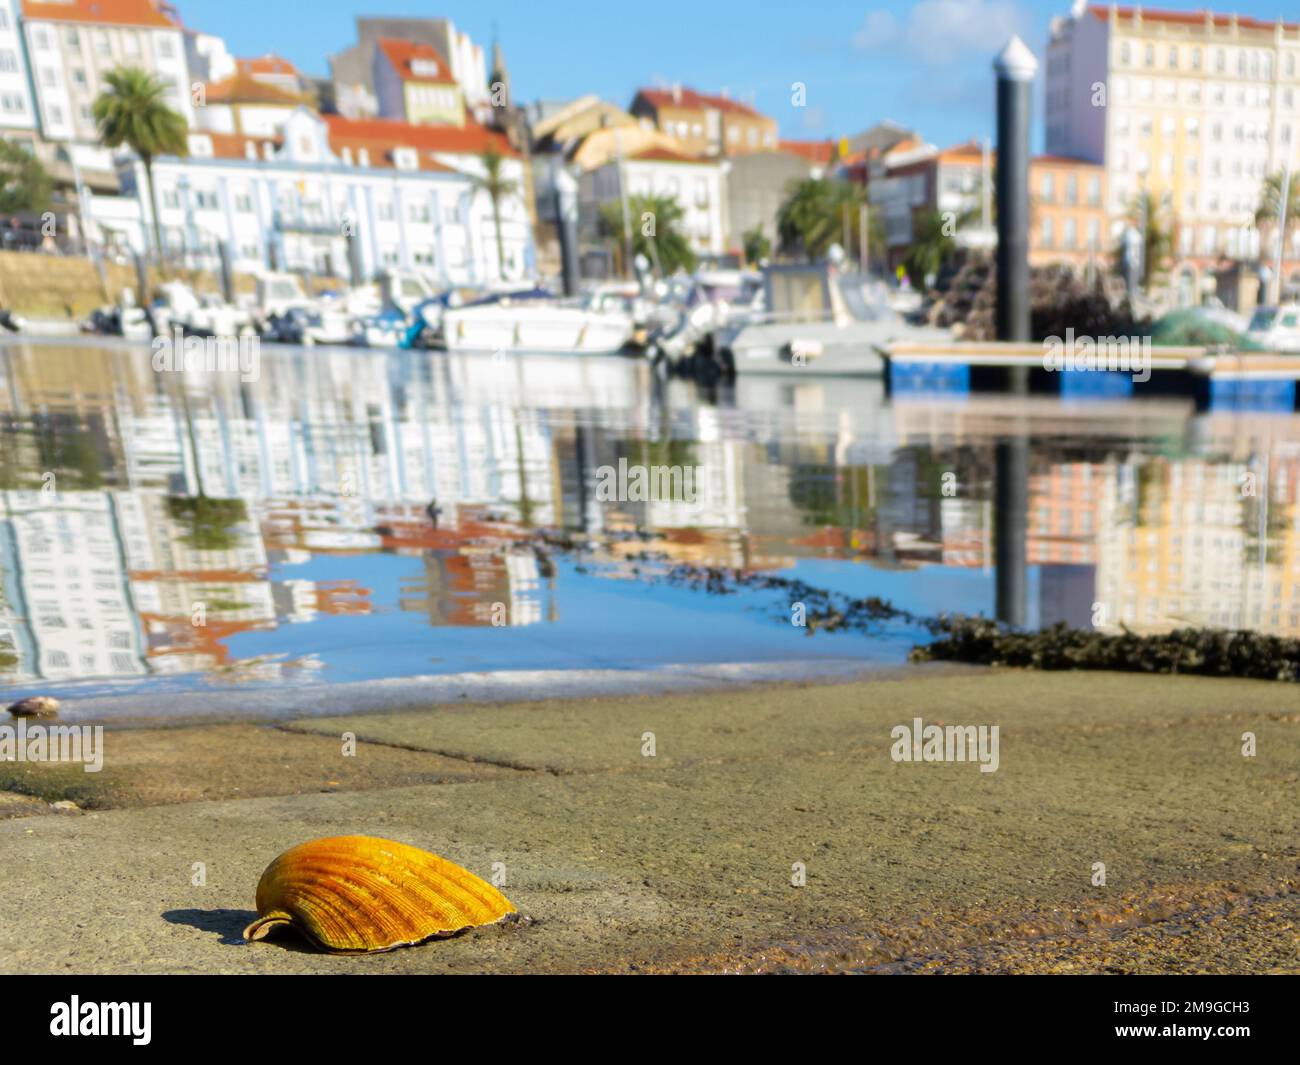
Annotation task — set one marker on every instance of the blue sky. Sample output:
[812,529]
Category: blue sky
[926,63]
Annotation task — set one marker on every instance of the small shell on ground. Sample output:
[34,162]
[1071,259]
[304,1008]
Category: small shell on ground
[35,706]
[362,895]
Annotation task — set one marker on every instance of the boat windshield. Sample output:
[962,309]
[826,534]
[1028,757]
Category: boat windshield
[1263,318]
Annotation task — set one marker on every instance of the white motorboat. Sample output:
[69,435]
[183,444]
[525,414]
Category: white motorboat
[288,314]
[534,321]
[815,321]
[1276,328]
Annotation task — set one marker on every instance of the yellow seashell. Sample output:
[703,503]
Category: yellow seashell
[361,895]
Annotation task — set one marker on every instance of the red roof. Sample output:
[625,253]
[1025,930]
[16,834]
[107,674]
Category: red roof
[244,87]
[1187,18]
[103,12]
[820,152]
[666,155]
[405,55]
[380,136]
[235,145]
[699,101]
[268,64]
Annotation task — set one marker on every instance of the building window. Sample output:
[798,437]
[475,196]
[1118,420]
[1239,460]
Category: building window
[243,203]
[418,212]
[165,48]
[1047,188]
[102,44]
[1049,237]
[171,198]
[384,210]
[1173,57]
[8,60]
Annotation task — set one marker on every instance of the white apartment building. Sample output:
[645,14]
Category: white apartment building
[695,183]
[73,44]
[17,110]
[290,200]
[1196,108]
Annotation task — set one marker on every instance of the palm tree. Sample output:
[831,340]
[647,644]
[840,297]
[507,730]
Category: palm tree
[812,215]
[133,111]
[1270,204]
[1148,217]
[932,246]
[498,187]
[662,240]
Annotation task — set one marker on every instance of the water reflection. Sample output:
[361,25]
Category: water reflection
[352,515]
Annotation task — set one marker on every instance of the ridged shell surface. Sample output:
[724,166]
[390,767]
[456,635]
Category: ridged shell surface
[361,894]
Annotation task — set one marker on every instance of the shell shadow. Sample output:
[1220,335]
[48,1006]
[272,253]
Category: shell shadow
[228,925]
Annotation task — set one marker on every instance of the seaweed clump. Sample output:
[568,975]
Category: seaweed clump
[1203,652]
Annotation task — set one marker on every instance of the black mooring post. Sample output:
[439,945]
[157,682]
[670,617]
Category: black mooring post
[1015,69]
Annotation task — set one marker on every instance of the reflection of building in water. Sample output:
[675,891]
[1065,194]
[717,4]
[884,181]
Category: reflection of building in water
[1064,502]
[67,598]
[1183,545]
[172,575]
[476,586]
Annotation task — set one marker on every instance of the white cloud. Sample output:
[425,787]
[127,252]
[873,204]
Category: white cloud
[938,32]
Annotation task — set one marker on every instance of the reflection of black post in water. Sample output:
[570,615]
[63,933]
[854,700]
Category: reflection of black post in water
[1015,68]
[1010,506]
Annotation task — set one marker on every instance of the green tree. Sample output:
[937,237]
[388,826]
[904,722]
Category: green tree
[1270,204]
[24,183]
[498,188]
[812,216]
[932,246]
[133,111]
[757,246]
[656,230]
[1149,218]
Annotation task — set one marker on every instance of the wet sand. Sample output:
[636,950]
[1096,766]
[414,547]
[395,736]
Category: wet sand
[683,862]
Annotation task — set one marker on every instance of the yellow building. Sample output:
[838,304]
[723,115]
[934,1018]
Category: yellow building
[1195,109]
[413,83]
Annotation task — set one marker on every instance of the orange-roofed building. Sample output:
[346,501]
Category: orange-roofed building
[413,83]
[271,69]
[247,104]
[705,124]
